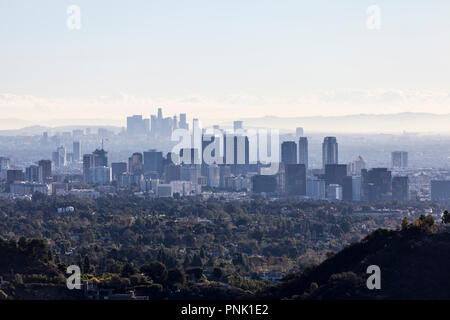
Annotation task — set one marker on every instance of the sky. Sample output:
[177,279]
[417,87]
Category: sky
[223,59]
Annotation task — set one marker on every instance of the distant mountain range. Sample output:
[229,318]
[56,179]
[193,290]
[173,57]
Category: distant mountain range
[12,127]
[399,122]
[358,123]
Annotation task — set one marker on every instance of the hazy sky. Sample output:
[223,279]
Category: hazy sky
[222,59]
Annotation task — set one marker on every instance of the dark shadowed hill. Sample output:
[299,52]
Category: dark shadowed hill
[414,264]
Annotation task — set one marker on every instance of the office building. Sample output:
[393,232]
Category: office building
[303,151]
[399,159]
[136,125]
[335,173]
[100,158]
[88,162]
[117,168]
[214,176]
[334,192]
[27,188]
[440,191]
[100,175]
[136,163]
[357,165]
[347,188]
[329,151]
[59,157]
[171,173]
[295,179]
[356,188]
[33,173]
[191,172]
[237,125]
[153,162]
[400,189]
[264,184]
[46,170]
[289,152]
[376,184]
[183,123]
[14,175]
[76,151]
[315,188]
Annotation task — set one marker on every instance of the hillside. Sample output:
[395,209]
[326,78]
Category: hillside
[414,264]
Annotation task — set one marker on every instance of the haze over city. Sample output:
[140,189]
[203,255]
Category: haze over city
[218,60]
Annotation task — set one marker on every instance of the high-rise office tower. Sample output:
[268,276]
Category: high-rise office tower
[32,173]
[289,152]
[299,132]
[174,122]
[100,158]
[117,168]
[335,173]
[357,165]
[214,176]
[62,155]
[376,184]
[88,163]
[329,151]
[264,183]
[76,151]
[153,162]
[160,116]
[295,179]
[315,188]
[135,163]
[190,172]
[400,189]
[347,188]
[303,151]
[334,192]
[356,188]
[100,175]
[399,159]
[46,169]
[136,125]
[238,125]
[14,175]
[183,123]
[171,173]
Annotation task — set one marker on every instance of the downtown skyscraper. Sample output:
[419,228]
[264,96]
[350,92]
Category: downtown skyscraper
[329,151]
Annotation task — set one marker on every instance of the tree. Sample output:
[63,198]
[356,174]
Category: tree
[157,271]
[3,295]
[405,223]
[86,264]
[176,276]
[196,261]
[445,217]
[195,273]
[217,273]
[128,270]
[426,223]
